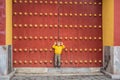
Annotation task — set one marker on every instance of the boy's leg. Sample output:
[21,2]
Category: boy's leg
[55,63]
[59,61]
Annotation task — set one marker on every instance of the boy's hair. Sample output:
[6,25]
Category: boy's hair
[58,42]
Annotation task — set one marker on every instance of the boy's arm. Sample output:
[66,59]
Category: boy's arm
[54,45]
[63,46]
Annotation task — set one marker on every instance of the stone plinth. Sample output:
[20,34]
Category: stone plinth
[111,65]
[6,69]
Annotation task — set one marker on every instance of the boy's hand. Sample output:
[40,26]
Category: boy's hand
[61,43]
[55,43]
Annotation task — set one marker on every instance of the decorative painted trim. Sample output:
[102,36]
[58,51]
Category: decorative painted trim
[108,22]
[8,22]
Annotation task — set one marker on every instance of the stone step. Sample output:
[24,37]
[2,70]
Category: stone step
[65,77]
[58,74]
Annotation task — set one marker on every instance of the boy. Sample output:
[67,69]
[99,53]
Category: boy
[58,47]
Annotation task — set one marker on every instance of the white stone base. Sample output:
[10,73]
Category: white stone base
[111,63]
[7,77]
[113,76]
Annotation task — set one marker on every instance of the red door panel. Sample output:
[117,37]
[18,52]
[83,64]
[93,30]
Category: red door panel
[36,24]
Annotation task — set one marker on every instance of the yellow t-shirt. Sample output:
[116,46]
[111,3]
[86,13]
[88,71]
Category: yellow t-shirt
[58,49]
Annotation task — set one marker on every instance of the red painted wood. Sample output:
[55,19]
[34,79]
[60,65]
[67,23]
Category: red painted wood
[116,22]
[45,57]
[2,22]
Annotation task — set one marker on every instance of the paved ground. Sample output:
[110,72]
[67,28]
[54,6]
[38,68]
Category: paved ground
[71,77]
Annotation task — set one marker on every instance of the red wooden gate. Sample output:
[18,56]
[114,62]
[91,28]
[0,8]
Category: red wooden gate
[35,29]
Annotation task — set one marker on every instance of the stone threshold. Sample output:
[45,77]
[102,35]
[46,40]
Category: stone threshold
[60,74]
[57,71]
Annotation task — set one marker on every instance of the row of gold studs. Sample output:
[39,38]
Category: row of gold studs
[30,50]
[47,25]
[57,2]
[55,14]
[50,61]
[51,37]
